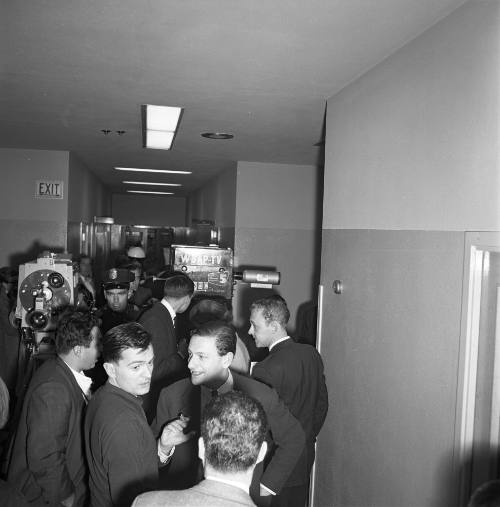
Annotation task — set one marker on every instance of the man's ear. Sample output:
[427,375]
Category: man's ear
[227,359]
[201,450]
[130,293]
[77,350]
[262,452]
[109,368]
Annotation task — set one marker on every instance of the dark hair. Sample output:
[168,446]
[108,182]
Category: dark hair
[206,310]
[486,495]
[8,275]
[274,309]
[124,262]
[178,285]
[73,328]
[233,428]
[130,335]
[224,334]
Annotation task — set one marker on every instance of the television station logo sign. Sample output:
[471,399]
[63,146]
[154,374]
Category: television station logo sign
[49,189]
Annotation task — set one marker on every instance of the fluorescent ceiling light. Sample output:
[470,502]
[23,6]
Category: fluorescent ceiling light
[151,183]
[159,139]
[159,124]
[167,171]
[149,192]
[162,117]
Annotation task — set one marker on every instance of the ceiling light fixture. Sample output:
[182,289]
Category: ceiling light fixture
[166,171]
[159,125]
[149,192]
[151,183]
[217,135]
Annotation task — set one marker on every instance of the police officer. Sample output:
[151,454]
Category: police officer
[117,291]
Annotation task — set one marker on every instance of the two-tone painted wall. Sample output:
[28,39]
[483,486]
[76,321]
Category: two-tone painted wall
[411,163]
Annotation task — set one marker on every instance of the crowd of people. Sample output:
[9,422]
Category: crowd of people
[154,401]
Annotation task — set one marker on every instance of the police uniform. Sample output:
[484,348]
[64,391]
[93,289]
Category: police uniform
[117,278]
[114,278]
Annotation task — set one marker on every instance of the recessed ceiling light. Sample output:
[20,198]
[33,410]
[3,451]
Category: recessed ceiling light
[151,183]
[149,192]
[159,125]
[167,171]
[217,135]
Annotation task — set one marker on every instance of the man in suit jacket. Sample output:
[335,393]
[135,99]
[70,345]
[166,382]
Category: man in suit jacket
[232,442]
[295,370]
[48,464]
[211,351]
[159,321]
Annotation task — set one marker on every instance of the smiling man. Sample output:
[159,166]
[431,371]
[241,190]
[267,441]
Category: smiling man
[122,452]
[211,351]
[48,464]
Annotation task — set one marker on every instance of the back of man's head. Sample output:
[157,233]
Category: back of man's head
[130,335]
[233,429]
[273,308]
[73,329]
[178,286]
[486,495]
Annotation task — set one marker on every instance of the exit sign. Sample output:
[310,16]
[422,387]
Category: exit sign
[46,189]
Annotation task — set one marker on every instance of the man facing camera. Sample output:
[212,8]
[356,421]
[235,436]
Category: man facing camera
[48,464]
[232,442]
[211,352]
[122,452]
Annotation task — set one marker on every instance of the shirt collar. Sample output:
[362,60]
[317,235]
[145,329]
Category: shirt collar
[168,306]
[225,387]
[237,484]
[271,347]
[83,381]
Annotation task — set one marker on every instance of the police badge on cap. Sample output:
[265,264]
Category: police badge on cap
[116,278]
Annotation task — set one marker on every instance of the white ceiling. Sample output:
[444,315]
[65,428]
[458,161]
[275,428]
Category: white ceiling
[260,69]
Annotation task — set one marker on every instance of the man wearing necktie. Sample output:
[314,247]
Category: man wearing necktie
[48,464]
[211,351]
[159,322]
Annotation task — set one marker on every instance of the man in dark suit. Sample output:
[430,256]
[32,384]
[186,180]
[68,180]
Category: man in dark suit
[295,370]
[159,321]
[211,351]
[232,442]
[48,464]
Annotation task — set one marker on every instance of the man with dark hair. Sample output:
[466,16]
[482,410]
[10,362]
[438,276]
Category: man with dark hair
[232,442]
[122,452]
[48,464]
[211,352]
[295,370]
[159,321]
[486,495]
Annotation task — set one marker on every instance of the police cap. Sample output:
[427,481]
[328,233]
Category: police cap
[117,278]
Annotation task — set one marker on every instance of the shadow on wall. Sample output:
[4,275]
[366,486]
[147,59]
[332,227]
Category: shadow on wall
[34,251]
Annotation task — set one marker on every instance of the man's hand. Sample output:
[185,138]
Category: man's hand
[173,434]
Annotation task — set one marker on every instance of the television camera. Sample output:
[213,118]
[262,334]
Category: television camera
[46,286]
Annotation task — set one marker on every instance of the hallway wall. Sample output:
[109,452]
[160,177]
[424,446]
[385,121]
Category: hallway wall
[411,162]
[29,224]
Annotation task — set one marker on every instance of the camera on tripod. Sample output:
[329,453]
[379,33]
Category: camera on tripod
[46,286]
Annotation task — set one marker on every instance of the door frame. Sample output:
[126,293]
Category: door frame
[477,245]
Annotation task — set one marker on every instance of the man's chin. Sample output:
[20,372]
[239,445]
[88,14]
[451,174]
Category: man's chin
[196,380]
